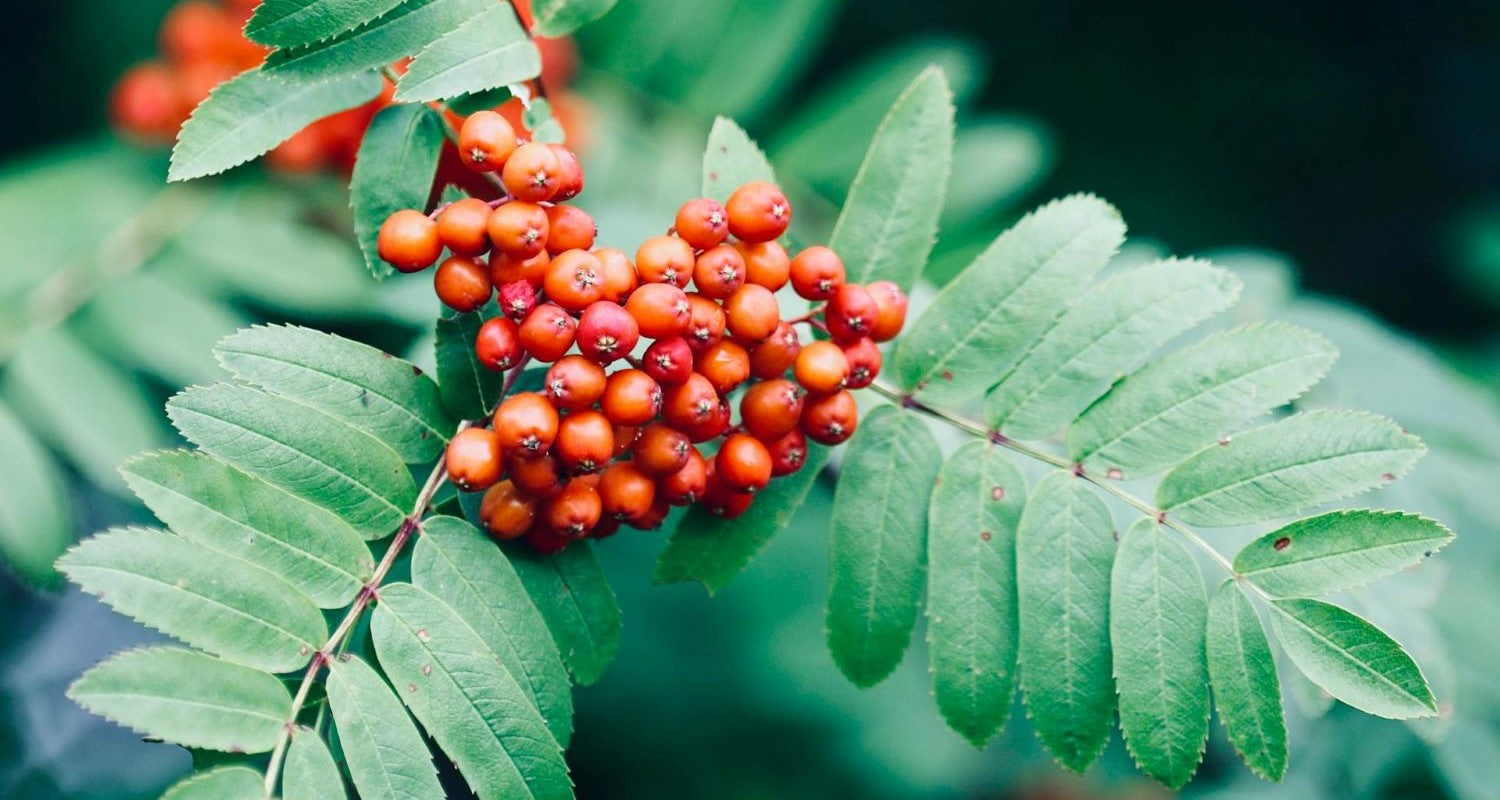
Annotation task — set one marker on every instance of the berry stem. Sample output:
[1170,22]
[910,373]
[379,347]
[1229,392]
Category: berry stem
[809,317]
[978,430]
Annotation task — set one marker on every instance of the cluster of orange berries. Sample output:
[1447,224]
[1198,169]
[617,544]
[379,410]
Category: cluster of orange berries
[595,449]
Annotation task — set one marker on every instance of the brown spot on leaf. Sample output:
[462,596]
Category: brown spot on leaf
[997,493]
[985,535]
[1281,544]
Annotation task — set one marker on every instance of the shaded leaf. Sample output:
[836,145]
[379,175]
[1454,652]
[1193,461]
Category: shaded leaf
[386,756]
[168,330]
[1246,690]
[222,783]
[413,25]
[574,597]
[310,772]
[36,522]
[562,17]
[731,160]
[1351,659]
[469,389]
[393,171]
[488,51]
[1337,551]
[289,23]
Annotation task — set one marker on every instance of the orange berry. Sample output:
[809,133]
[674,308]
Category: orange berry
[864,362]
[146,103]
[660,309]
[713,427]
[573,280]
[821,368]
[498,344]
[702,223]
[770,409]
[687,484]
[766,264]
[830,420]
[463,227]
[850,314]
[585,441]
[719,272]
[817,273]
[569,173]
[536,476]
[548,332]
[574,382]
[705,324]
[485,141]
[506,512]
[689,404]
[758,212]
[408,241]
[625,492]
[752,314]
[531,173]
[518,229]
[607,332]
[773,357]
[474,459]
[462,284]
[661,449]
[890,307]
[665,259]
[721,500]
[526,424]
[631,397]
[743,463]
[569,228]
[573,511]
[625,436]
[653,517]
[505,268]
[618,273]
[725,364]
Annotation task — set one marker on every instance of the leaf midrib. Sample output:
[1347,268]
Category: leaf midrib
[1348,657]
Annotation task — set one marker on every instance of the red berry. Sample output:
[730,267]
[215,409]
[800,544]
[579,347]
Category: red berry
[536,476]
[743,463]
[752,314]
[526,424]
[518,229]
[548,332]
[506,512]
[890,306]
[607,332]
[720,499]
[702,223]
[660,309]
[773,357]
[817,273]
[498,344]
[689,404]
[653,518]
[688,483]
[661,449]
[463,227]
[585,441]
[668,361]
[462,284]
[409,241]
[864,362]
[830,420]
[569,228]
[625,492]
[574,382]
[517,299]
[821,368]
[713,427]
[543,539]
[574,280]
[569,173]
[771,409]
[531,173]
[474,459]
[665,259]
[719,272]
[851,313]
[758,212]
[705,323]
[575,510]
[788,453]
[766,264]
[485,141]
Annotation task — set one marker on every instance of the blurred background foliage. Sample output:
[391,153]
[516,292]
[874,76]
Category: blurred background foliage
[1356,140]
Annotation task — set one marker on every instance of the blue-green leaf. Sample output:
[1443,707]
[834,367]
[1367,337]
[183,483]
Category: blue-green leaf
[310,772]
[36,522]
[404,32]
[291,23]
[1246,691]
[731,160]
[486,52]
[562,17]
[574,596]
[1352,659]
[221,783]
[1337,551]
[386,756]
[393,171]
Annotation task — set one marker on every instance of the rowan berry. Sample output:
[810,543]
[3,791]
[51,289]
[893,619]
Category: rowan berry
[573,280]
[830,420]
[485,141]
[462,284]
[517,299]
[569,228]
[625,437]
[821,368]
[585,441]
[536,476]
[196,30]
[788,453]
[653,518]
[720,499]
[607,332]
[618,274]
[505,268]
[687,484]
[743,463]
[758,212]
[548,332]
[890,307]
[665,259]
[850,313]
[526,423]
[669,362]
[408,241]
[606,527]
[773,357]
[497,345]
[625,492]
[752,314]
[702,223]
[569,173]
[864,362]
[817,273]
[689,404]
[147,103]
[507,512]
[463,226]
[725,364]
[766,264]
[770,409]
[573,382]
[705,324]
[518,229]
[719,272]
[474,459]
[573,511]
[531,173]
[712,428]
[660,309]
[661,449]
[544,540]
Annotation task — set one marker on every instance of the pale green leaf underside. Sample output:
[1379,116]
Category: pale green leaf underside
[384,396]
[713,550]
[252,113]
[384,753]
[469,389]
[160,324]
[465,698]
[300,449]
[1188,399]
[878,542]
[562,17]
[404,32]
[983,320]
[1352,659]
[1107,332]
[1302,461]
[209,502]
[1337,551]
[731,160]
[293,23]
[393,171]
[36,522]
[574,597]
[1065,547]
[205,598]
[972,631]
[222,783]
[486,52]
[1246,690]
[188,698]
[1158,619]
[463,568]
[310,772]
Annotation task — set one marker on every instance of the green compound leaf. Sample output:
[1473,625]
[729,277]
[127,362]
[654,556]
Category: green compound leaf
[575,599]
[1246,690]
[223,783]
[393,171]
[310,772]
[487,52]
[247,116]
[188,698]
[1337,551]
[293,23]
[381,395]
[1158,618]
[465,698]
[562,17]
[972,630]
[1302,461]
[36,522]
[713,550]
[386,756]
[220,604]
[412,26]
[1109,330]
[1065,547]
[1186,400]
[469,389]
[731,160]
[889,220]
[463,568]
[300,449]
[982,321]
[879,542]
[209,502]
[1352,659]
